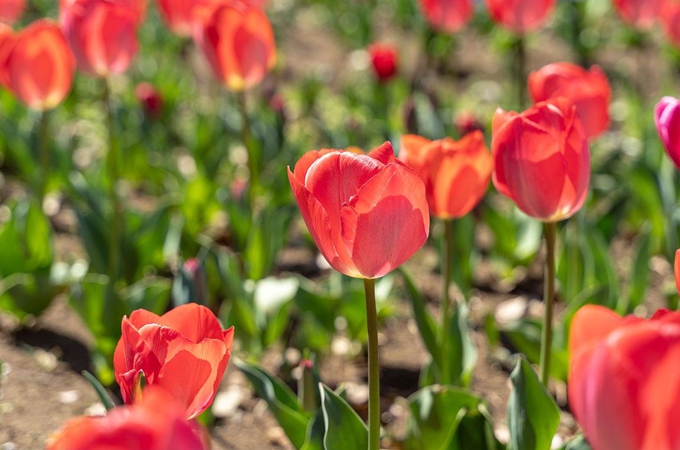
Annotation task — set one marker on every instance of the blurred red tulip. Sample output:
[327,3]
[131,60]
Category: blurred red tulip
[624,382]
[238,42]
[157,423]
[102,34]
[667,119]
[367,214]
[670,21]
[520,16]
[456,174]
[11,10]
[180,15]
[588,90]
[639,13]
[150,99]
[447,16]
[185,351]
[467,122]
[36,64]
[384,59]
[676,270]
[542,160]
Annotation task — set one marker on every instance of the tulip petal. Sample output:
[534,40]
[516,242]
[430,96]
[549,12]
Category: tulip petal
[387,221]
[384,153]
[194,322]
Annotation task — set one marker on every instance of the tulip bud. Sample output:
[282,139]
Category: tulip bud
[190,284]
[308,390]
[384,60]
[447,16]
[520,16]
[542,159]
[150,100]
[624,379]
[588,90]
[667,119]
[11,10]
[467,122]
[639,13]
[102,34]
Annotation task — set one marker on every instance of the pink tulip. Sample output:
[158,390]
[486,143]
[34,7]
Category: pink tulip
[667,119]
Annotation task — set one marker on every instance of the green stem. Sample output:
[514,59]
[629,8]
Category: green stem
[246,137]
[447,256]
[44,154]
[520,71]
[373,367]
[112,159]
[548,299]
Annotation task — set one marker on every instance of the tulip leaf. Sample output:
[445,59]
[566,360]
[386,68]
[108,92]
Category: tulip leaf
[100,390]
[26,241]
[426,325]
[577,443]
[476,431]
[344,429]
[315,433]
[27,293]
[459,355]
[639,274]
[436,412]
[282,402]
[152,294]
[533,416]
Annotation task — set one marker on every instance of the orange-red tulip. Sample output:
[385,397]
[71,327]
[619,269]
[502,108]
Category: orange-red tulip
[11,10]
[542,160]
[36,64]
[589,90]
[367,214]
[185,351]
[676,270]
[180,15]
[150,100]
[102,34]
[520,16]
[670,21]
[456,174]
[624,381]
[157,423]
[639,13]
[238,42]
[384,59]
[447,16]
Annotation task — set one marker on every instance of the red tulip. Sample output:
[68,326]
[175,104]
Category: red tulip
[180,15]
[676,270]
[36,64]
[520,16]
[542,160]
[667,119]
[238,42]
[447,16]
[456,174]
[102,34]
[624,382]
[367,213]
[185,351]
[589,90]
[467,122]
[384,59]
[11,10]
[150,99]
[157,423]
[638,13]
[670,21]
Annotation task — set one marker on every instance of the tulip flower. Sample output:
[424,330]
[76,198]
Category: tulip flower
[588,90]
[102,34]
[11,10]
[384,59]
[447,16]
[367,213]
[456,173]
[542,160]
[157,423]
[624,382]
[467,122]
[676,269]
[150,99]
[670,21]
[639,13]
[185,351]
[180,15]
[520,16]
[36,64]
[667,119]
[238,41]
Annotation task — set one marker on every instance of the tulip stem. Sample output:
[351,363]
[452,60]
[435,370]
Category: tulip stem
[114,174]
[520,71]
[253,174]
[548,299]
[373,367]
[43,154]
[447,255]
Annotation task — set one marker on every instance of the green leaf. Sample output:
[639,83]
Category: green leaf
[460,354]
[577,443]
[26,241]
[476,432]
[27,293]
[639,274]
[315,433]
[101,391]
[282,402]
[344,429]
[533,416]
[152,294]
[436,412]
